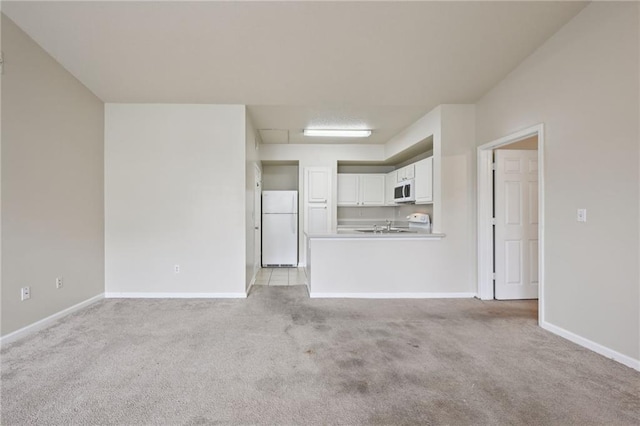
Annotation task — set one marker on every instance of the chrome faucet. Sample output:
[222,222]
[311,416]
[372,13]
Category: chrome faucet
[388,225]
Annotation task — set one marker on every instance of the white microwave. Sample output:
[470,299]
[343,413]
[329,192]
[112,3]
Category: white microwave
[405,192]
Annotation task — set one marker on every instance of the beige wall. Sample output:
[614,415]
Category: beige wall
[175,194]
[528,144]
[52,184]
[280,177]
[583,85]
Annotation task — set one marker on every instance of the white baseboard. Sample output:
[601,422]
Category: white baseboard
[145,295]
[251,283]
[393,295]
[45,322]
[591,345]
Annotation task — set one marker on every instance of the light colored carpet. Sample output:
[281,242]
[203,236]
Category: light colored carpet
[279,357]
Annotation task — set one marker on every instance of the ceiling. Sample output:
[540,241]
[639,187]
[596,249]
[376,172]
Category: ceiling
[378,65]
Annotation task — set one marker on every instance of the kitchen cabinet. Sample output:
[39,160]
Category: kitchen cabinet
[318,184]
[361,189]
[405,173]
[317,199]
[318,221]
[348,189]
[390,185]
[424,181]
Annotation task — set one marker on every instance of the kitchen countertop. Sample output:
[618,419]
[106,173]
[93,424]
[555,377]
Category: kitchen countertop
[352,233]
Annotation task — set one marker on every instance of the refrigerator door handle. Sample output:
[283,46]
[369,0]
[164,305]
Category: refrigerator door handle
[293,223]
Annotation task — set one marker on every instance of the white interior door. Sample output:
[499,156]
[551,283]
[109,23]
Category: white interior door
[516,229]
[257,217]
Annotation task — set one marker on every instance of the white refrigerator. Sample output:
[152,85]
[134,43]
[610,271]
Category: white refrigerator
[279,228]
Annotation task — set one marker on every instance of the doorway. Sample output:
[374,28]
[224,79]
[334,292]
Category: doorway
[507,263]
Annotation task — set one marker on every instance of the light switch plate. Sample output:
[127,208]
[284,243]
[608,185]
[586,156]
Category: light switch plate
[582,215]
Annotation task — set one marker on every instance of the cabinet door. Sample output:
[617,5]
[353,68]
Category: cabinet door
[317,184]
[347,189]
[372,190]
[390,185]
[424,180]
[409,172]
[318,219]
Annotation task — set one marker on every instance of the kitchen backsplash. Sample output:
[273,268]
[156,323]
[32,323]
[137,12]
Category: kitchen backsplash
[394,213]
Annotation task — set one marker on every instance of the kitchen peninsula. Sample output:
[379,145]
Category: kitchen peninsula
[352,263]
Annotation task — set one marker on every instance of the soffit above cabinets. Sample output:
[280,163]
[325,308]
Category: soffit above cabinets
[415,152]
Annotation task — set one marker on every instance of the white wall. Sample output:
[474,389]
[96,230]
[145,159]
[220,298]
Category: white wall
[175,194]
[583,85]
[346,214]
[52,184]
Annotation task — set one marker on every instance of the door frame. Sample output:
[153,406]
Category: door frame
[257,218]
[485,212]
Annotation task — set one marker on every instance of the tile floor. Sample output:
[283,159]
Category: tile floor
[281,276]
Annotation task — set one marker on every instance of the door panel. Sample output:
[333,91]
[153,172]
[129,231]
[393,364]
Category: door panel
[513,203]
[513,262]
[533,262]
[516,229]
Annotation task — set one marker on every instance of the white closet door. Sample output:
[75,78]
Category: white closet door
[516,230]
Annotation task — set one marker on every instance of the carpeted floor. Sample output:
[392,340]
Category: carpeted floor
[279,357]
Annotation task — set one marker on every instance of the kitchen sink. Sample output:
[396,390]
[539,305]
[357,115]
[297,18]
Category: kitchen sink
[386,231]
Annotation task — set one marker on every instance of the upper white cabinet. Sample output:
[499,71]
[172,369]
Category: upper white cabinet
[390,186]
[372,189]
[348,190]
[361,189]
[424,181]
[405,173]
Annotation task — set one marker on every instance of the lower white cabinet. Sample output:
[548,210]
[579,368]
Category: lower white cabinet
[361,189]
[318,221]
[424,181]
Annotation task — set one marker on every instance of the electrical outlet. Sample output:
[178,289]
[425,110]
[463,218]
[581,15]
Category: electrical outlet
[582,215]
[25,293]
[59,282]
[176,269]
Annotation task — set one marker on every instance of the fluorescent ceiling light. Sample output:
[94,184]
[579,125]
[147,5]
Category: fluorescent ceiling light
[338,133]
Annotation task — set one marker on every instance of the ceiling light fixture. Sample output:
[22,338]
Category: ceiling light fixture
[338,133]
